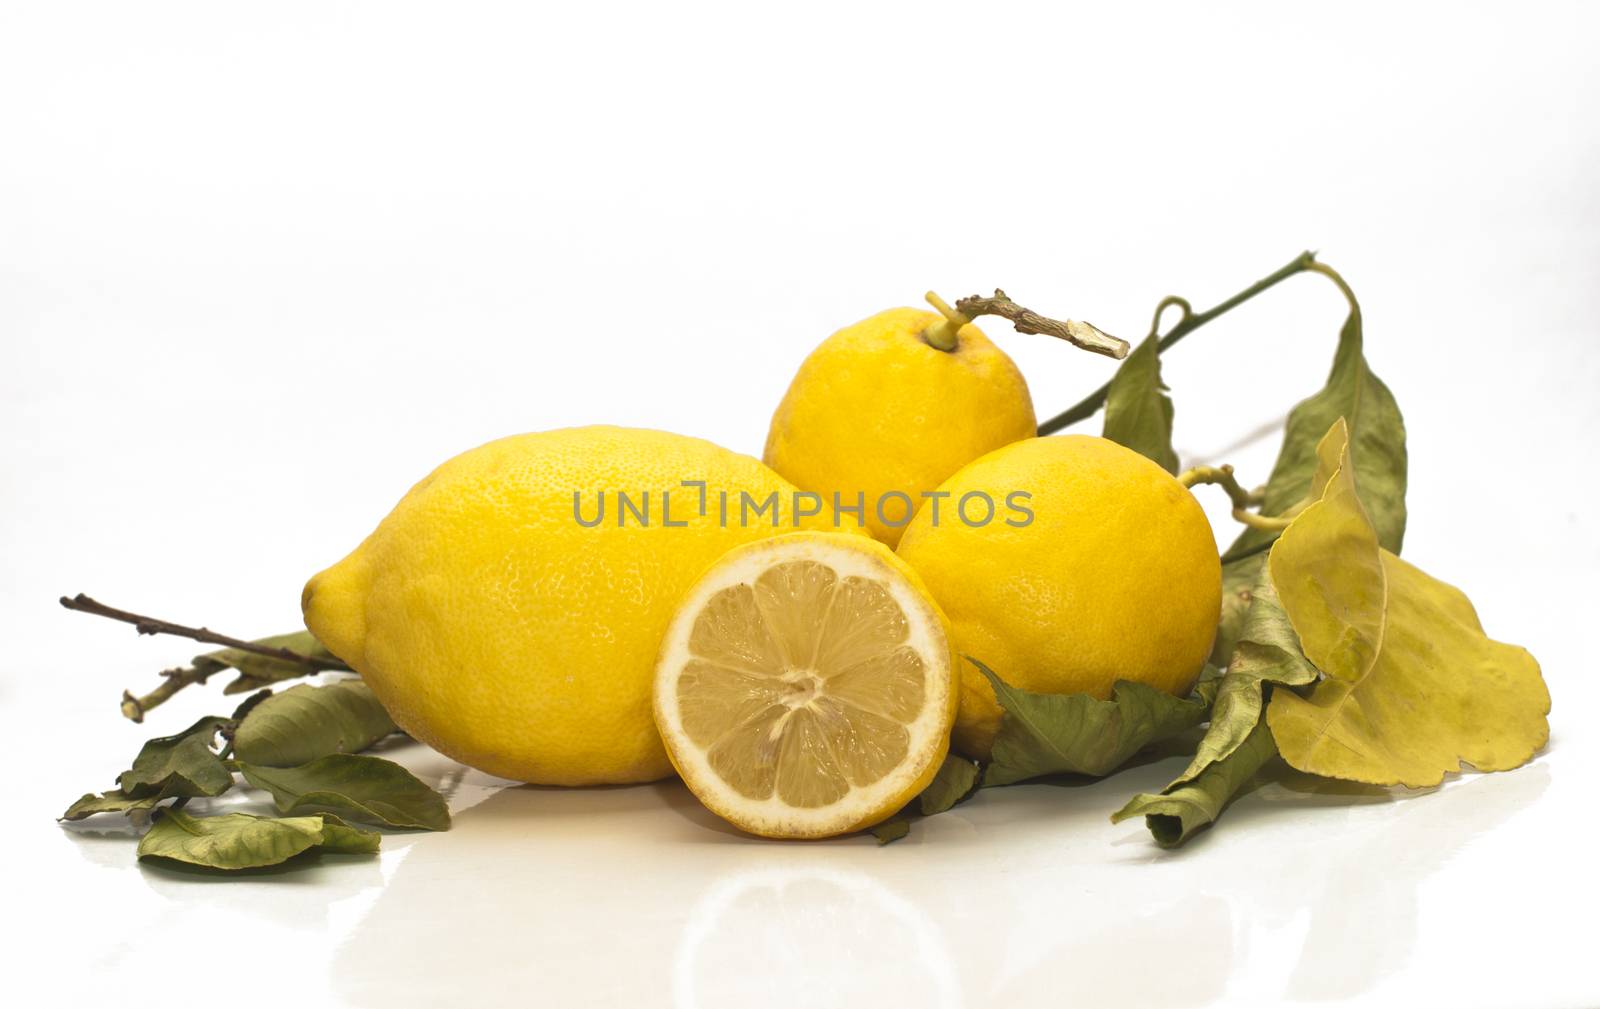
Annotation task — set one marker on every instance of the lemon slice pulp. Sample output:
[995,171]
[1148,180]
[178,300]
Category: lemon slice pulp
[805,687]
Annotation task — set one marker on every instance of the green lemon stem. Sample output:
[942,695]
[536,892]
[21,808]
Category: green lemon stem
[1191,321]
[1243,500]
[944,334]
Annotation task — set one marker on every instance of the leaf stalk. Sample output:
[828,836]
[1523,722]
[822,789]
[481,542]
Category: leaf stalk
[1243,500]
[1190,321]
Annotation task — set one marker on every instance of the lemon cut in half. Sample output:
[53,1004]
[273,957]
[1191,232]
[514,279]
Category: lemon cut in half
[805,687]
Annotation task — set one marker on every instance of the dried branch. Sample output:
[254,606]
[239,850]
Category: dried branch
[1080,334]
[173,680]
[150,625]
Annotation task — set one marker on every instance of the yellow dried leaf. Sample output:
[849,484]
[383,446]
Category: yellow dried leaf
[1412,686]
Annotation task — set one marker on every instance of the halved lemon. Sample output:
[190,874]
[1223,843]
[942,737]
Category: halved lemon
[806,686]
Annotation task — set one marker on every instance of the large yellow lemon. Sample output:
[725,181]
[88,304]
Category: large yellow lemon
[500,628]
[1106,569]
[878,416]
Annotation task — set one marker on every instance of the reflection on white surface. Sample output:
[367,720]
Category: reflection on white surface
[806,936]
[1362,893]
[1025,897]
[1309,893]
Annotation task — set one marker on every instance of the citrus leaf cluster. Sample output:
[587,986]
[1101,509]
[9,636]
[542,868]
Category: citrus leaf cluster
[301,747]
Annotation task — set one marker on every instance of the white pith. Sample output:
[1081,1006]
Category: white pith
[927,732]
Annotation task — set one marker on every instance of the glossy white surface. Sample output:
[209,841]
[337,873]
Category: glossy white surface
[1025,896]
[260,269]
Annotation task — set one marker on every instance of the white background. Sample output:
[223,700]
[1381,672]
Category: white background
[261,267]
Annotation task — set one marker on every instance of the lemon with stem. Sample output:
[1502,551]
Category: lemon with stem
[885,410]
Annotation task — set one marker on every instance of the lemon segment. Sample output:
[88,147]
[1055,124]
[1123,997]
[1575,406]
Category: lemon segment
[806,687]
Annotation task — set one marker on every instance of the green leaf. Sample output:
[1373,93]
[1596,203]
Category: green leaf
[366,788]
[242,841]
[1378,446]
[244,684]
[249,703]
[892,829]
[1079,734]
[179,765]
[231,840]
[1235,745]
[306,722]
[166,767]
[1182,809]
[341,838]
[1412,686]
[1239,579]
[256,671]
[956,781]
[114,801]
[1138,409]
[1268,651]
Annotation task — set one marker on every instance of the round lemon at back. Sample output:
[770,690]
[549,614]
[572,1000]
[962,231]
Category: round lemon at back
[1115,576]
[499,622]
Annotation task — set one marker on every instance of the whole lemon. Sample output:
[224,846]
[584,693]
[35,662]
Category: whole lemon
[1096,565]
[499,627]
[878,415]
